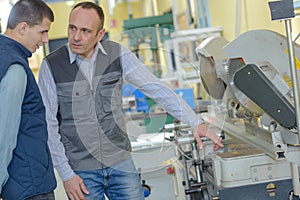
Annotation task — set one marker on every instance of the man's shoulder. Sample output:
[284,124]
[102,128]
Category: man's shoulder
[111,43]
[58,58]
[58,52]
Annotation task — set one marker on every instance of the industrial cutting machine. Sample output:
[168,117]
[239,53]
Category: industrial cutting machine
[253,105]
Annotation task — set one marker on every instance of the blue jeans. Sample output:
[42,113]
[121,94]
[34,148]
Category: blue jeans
[118,182]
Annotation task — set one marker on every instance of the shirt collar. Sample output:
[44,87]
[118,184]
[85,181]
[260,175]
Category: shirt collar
[73,56]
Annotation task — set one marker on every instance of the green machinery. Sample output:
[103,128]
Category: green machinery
[149,30]
[146,29]
[152,31]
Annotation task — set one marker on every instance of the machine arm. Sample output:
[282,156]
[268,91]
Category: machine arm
[252,82]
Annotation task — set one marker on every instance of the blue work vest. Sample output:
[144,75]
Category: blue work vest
[30,170]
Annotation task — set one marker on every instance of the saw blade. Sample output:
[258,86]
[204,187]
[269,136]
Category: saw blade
[213,85]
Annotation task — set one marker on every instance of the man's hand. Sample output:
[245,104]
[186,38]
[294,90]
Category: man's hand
[202,130]
[74,188]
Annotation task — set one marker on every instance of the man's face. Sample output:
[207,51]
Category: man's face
[83,31]
[36,36]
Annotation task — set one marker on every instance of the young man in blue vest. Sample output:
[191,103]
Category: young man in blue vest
[26,169]
[81,87]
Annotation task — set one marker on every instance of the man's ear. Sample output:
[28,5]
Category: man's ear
[22,28]
[101,34]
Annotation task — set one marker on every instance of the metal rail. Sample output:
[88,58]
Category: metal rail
[240,132]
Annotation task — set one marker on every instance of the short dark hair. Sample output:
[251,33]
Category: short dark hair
[30,11]
[92,5]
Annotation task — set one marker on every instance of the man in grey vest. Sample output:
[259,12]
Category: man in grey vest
[81,86]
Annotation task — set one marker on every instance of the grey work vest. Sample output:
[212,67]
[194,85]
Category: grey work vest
[91,121]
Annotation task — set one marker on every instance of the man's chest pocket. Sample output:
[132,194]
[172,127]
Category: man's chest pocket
[110,94]
[74,100]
